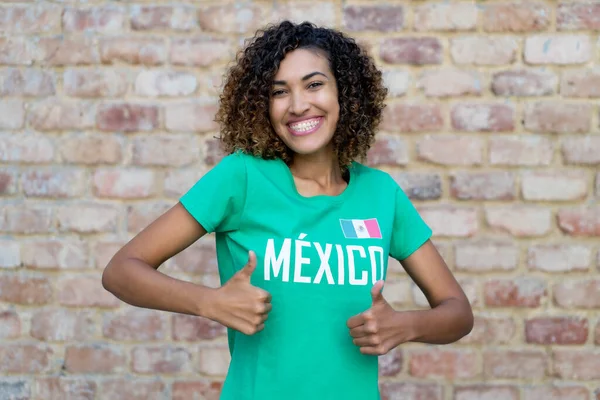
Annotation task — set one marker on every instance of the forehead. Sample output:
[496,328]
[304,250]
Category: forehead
[300,62]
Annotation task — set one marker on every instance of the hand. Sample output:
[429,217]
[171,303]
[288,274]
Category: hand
[379,329]
[239,305]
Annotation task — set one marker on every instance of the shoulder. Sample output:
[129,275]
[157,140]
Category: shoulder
[375,176]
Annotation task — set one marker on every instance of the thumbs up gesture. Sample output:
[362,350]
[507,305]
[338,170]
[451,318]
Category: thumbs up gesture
[376,330]
[240,305]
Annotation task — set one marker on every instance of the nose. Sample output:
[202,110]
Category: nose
[298,104]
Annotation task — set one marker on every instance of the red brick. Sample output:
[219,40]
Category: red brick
[165,84]
[17,51]
[391,390]
[396,81]
[9,181]
[188,328]
[486,256]
[550,391]
[94,359]
[231,18]
[450,82]
[19,20]
[516,17]
[140,216]
[580,221]
[59,388]
[556,185]
[420,185]
[28,82]
[62,325]
[85,291]
[26,219]
[494,185]
[160,360]
[91,218]
[451,221]
[102,252]
[321,13]
[530,150]
[124,183]
[518,292]
[146,18]
[133,50]
[484,50]
[491,330]
[21,358]
[556,330]
[10,326]
[413,51]
[86,83]
[135,325]
[577,294]
[581,150]
[64,253]
[597,333]
[445,17]
[555,117]
[558,49]
[104,20]
[91,149]
[128,118]
[390,364]
[584,83]
[214,153]
[578,16]
[400,117]
[524,83]
[483,117]
[447,364]
[10,254]
[388,150]
[520,221]
[67,50]
[515,364]
[133,389]
[486,392]
[581,365]
[27,147]
[200,51]
[197,116]
[21,289]
[13,113]
[214,361]
[381,18]
[57,115]
[177,182]
[15,388]
[57,183]
[196,389]
[559,258]
[450,150]
[165,150]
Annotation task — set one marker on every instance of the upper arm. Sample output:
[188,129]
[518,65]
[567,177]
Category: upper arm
[168,235]
[429,271]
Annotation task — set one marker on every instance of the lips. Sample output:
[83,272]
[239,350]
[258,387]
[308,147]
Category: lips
[305,127]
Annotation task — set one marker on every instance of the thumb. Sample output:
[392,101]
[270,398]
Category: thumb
[250,266]
[376,292]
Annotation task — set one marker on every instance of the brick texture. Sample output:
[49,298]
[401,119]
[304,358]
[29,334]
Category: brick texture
[491,128]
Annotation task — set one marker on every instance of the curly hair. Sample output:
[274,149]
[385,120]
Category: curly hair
[243,113]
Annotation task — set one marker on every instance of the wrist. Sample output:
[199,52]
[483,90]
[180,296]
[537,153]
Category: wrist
[410,324]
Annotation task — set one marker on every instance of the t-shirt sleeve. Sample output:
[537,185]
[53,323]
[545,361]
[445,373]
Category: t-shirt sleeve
[217,199]
[409,230]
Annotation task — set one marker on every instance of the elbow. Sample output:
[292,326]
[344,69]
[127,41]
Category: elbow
[107,278]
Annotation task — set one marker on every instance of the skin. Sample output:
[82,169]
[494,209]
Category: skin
[304,87]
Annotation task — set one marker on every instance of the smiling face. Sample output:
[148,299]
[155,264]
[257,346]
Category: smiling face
[304,108]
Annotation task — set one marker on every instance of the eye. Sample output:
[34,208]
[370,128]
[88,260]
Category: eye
[315,85]
[277,92]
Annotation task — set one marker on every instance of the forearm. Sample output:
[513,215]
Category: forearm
[446,323]
[140,285]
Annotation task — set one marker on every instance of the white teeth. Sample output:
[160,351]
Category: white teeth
[305,125]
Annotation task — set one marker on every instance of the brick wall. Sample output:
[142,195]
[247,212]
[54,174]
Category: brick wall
[492,128]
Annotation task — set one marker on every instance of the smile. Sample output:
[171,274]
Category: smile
[305,127]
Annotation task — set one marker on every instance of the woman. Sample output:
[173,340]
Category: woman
[303,230]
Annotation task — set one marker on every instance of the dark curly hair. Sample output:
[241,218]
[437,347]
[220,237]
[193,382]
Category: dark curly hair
[243,113]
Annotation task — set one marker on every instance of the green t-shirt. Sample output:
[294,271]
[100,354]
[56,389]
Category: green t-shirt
[318,257]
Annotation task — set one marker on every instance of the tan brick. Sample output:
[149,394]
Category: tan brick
[483,185]
[450,150]
[54,183]
[448,364]
[527,292]
[193,116]
[32,19]
[21,289]
[25,358]
[581,150]
[445,17]
[10,254]
[189,328]
[64,387]
[396,81]
[557,49]
[559,258]
[578,16]
[483,117]
[451,221]
[412,50]
[577,294]
[87,83]
[581,365]
[141,215]
[491,330]
[103,19]
[450,82]
[556,330]
[401,117]
[90,218]
[27,219]
[28,147]
[583,83]
[102,252]
[160,360]
[177,182]
[136,325]
[516,16]
[551,391]
[200,51]
[128,117]
[322,13]
[67,50]
[558,117]
[485,256]
[124,183]
[133,50]
[580,221]
[521,150]
[520,221]
[127,388]
[388,150]
[214,361]
[181,18]
[155,83]
[85,291]
[94,359]
[524,82]
[13,114]
[62,325]
[63,254]
[55,114]
[486,392]
[28,82]
[411,390]
[420,185]
[554,185]
[381,18]
[515,364]
[91,149]
[482,50]
[17,51]
[10,326]
[232,18]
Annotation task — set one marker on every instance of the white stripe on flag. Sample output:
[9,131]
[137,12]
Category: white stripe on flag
[360,228]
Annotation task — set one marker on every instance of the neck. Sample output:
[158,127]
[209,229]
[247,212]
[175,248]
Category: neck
[322,167]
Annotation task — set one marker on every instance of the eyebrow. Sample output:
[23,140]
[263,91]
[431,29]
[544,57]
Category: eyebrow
[304,78]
